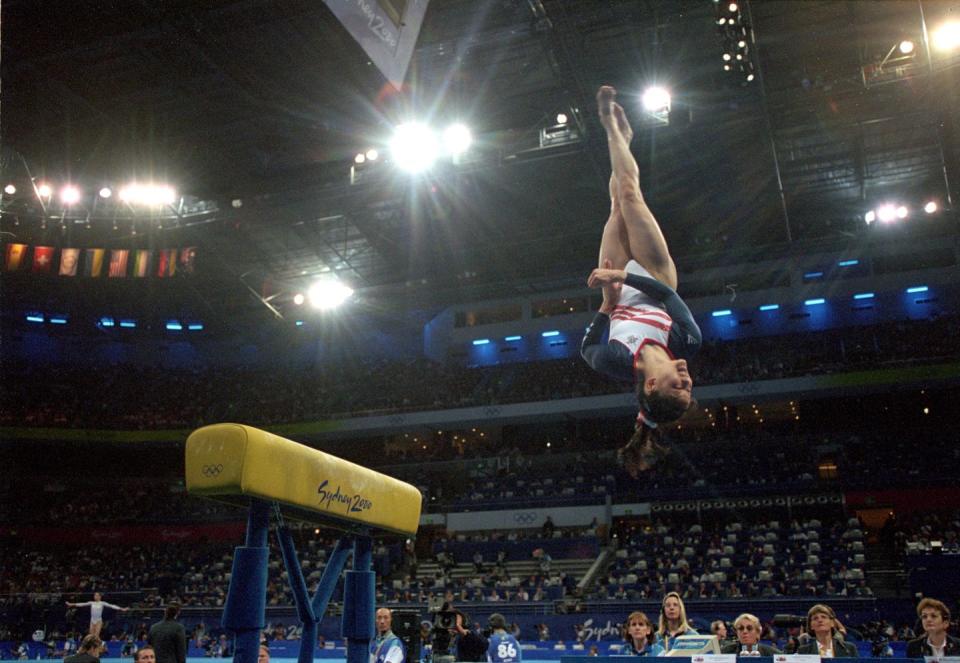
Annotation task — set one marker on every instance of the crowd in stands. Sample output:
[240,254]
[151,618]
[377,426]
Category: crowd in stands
[768,559]
[115,397]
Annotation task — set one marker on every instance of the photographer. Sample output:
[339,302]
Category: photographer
[449,633]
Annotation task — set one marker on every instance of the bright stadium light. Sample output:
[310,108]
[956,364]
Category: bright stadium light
[562,118]
[414,147]
[298,299]
[360,158]
[372,155]
[69,195]
[886,213]
[10,189]
[947,36]
[457,139]
[906,47]
[656,99]
[152,195]
[930,207]
[870,217]
[44,190]
[902,212]
[328,294]
[106,192]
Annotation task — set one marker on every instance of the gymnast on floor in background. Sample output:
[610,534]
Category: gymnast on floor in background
[643,333]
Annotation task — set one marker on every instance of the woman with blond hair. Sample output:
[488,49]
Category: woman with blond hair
[673,621]
[827,631]
[640,636]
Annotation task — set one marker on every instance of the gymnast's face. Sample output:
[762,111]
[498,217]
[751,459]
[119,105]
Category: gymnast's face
[671,380]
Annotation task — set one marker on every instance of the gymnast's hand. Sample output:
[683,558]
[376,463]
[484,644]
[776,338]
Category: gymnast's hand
[603,277]
[611,288]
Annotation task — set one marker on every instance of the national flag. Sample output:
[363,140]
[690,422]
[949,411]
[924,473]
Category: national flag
[14,256]
[166,262]
[68,261]
[42,259]
[118,263]
[141,263]
[93,265]
[187,258]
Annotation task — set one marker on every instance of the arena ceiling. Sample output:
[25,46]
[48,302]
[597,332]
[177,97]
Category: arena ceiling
[268,101]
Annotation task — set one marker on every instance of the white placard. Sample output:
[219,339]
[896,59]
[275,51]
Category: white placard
[796,658]
[714,658]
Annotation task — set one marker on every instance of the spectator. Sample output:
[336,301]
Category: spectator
[935,618]
[640,636]
[827,631]
[748,643]
[673,620]
[89,652]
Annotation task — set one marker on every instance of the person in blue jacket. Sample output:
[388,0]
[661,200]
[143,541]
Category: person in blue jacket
[640,636]
[503,647]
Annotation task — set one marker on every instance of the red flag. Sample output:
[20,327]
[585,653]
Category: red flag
[42,259]
[118,262]
[166,262]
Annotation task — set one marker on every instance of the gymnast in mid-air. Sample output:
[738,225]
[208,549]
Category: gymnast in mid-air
[643,333]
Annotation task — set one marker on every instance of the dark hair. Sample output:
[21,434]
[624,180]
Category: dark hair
[662,409]
[90,643]
[136,657]
[171,611]
[642,450]
[497,621]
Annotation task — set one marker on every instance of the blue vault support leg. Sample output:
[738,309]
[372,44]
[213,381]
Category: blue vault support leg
[244,613]
[308,621]
[359,596]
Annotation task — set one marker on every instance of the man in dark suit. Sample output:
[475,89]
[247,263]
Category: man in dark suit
[935,618]
[748,631]
[168,638]
[89,651]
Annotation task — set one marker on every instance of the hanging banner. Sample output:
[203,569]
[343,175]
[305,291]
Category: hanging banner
[141,263]
[167,263]
[42,259]
[118,263]
[14,256]
[187,257]
[68,261]
[93,265]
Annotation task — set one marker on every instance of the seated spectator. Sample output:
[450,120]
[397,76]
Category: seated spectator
[935,618]
[748,643]
[827,632]
[640,636]
[673,620]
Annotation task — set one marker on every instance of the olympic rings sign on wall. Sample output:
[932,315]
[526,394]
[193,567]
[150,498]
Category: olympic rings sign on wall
[211,470]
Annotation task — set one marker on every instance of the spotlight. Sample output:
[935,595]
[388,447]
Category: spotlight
[44,190]
[947,36]
[10,189]
[722,20]
[870,217]
[726,57]
[930,207]
[902,212]
[360,158]
[153,195]
[105,192]
[69,195]
[414,147]
[886,213]
[726,67]
[328,294]
[906,46]
[561,118]
[742,43]
[739,56]
[656,99]
[732,7]
[457,139]
[749,77]
[298,299]
[372,155]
